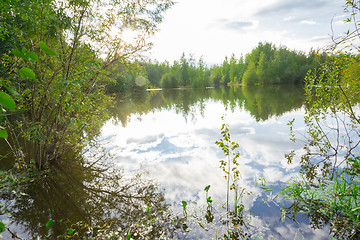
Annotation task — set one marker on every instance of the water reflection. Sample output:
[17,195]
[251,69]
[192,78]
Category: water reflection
[264,103]
[172,134]
[82,194]
[261,102]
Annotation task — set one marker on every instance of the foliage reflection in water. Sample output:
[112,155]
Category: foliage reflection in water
[88,198]
[261,102]
[171,135]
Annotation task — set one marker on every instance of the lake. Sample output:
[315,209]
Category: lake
[160,146]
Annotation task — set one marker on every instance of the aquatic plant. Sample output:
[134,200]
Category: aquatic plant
[335,201]
[229,148]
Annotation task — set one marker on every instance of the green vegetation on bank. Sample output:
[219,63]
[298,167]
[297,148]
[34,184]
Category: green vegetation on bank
[328,189]
[266,64]
[56,60]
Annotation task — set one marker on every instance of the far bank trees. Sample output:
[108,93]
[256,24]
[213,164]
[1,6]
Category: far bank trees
[266,64]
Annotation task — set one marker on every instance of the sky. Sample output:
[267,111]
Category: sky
[214,29]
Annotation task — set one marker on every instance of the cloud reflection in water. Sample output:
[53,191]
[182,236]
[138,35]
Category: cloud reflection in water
[182,157]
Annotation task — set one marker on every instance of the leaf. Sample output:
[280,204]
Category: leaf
[17,53]
[2,227]
[27,73]
[12,91]
[206,189]
[49,223]
[6,101]
[202,225]
[31,56]
[46,49]
[70,231]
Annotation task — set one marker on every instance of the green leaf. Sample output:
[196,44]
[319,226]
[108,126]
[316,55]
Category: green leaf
[128,237]
[3,134]
[70,231]
[12,91]
[207,188]
[6,101]
[31,56]
[49,223]
[2,227]
[27,73]
[17,53]
[46,49]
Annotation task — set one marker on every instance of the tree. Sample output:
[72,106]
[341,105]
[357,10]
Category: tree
[154,73]
[233,69]
[262,69]
[250,76]
[126,78]
[202,80]
[215,76]
[225,72]
[62,86]
[185,70]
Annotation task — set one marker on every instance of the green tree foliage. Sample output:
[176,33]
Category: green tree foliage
[173,77]
[332,91]
[250,77]
[215,76]
[279,65]
[184,71]
[266,64]
[225,72]
[63,55]
[155,71]
[128,77]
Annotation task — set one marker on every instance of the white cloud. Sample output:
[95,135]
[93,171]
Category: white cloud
[290,18]
[308,22]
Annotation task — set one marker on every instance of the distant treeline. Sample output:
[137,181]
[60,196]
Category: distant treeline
[266,64]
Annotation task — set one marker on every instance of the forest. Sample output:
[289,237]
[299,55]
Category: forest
[266,64]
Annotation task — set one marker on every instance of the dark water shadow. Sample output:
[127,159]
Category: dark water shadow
[92,198]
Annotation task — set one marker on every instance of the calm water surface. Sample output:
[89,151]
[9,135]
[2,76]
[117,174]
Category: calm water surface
[169,137]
